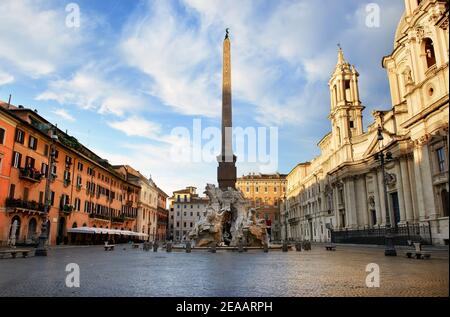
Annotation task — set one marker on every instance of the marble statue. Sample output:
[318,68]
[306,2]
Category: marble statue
[228,220]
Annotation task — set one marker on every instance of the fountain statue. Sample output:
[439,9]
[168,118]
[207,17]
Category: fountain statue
[228,221]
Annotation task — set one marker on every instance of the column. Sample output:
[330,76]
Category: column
[401,199]
[419,184]
[352,210]
[428,192]
[412,188]
[363,200]
[406,190]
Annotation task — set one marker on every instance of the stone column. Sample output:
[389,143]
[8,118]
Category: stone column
[353,212]
[428,191]
[362,193]
[406,189]
[401,198]
[419,184]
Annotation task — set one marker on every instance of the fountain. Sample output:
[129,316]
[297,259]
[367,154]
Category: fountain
[228,221]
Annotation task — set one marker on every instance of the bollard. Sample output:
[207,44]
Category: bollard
[188,247]
[265,248]
[285,247]
[146,246]
[240,247]
[155,247]
[213,248]
[298,246]
[150,245]
[169,247]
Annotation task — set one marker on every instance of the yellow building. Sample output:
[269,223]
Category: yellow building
[265,191]
[343,194]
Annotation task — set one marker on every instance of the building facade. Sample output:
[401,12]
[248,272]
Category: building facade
[146,220]
[163,216]
[341,193]
[85,192]
[186,208]
[265,193]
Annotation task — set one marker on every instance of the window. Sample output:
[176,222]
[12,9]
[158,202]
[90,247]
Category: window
[248,189]
[29,162]
[352,124]
[52,198]
[41,197]
[56,154]
[257,189]
[2,136]
[32,143]
[440,159]
[12,189]
[429,52]
[20,136]
[17,158]
[46,149]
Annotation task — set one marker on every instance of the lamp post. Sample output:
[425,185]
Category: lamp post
[41,250]
[383,158]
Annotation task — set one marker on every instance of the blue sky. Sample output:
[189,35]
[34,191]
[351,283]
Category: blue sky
[134,70]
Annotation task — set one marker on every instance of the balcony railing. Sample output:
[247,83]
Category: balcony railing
[30,175]
[99,216]
[67,209]
[29,205]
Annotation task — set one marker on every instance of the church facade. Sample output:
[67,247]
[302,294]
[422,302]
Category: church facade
[343,195]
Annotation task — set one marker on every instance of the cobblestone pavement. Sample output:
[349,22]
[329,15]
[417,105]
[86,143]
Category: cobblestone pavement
[133,272]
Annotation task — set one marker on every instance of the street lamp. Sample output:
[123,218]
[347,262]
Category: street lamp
[383,158]
[41,250]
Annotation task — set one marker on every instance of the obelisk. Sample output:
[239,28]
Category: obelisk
[226,172]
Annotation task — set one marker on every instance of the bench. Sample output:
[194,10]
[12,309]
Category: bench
[418,253]
[109,247]
[330,247]
[14,252]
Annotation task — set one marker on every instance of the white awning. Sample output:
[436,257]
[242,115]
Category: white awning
[92,230]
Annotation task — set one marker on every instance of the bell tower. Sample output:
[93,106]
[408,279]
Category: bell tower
[346,108]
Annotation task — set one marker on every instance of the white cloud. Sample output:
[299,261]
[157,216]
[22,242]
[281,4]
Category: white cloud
[64,114]
[137,126]
[34,38]
[5,78]
[163,46]
[89,89]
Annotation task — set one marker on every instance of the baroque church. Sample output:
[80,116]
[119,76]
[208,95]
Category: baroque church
[395,174]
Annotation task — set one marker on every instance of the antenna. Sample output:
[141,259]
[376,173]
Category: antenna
[9,100]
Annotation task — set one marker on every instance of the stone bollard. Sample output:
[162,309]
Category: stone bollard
[150,245]
[212,248]
[298,246]
[285,247]
[155,247]
[146,246]
[240,247]
[169,247]
[265,248]
[188,247]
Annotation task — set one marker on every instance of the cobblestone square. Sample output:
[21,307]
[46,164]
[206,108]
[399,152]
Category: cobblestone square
[134,272]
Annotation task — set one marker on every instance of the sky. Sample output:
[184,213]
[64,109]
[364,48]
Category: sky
[130,72]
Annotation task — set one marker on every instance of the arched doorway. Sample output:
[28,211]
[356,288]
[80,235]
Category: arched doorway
[32,226]
[61,229]
[17,228]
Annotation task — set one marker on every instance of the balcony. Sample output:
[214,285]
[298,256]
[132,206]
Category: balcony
[78,187]
[99,216]
[67,209]
[120,219]
[19,205]
[30,174]
[67,182]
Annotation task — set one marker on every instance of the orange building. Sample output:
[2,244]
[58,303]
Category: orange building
[85,192]
[163,216]
[265,191]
